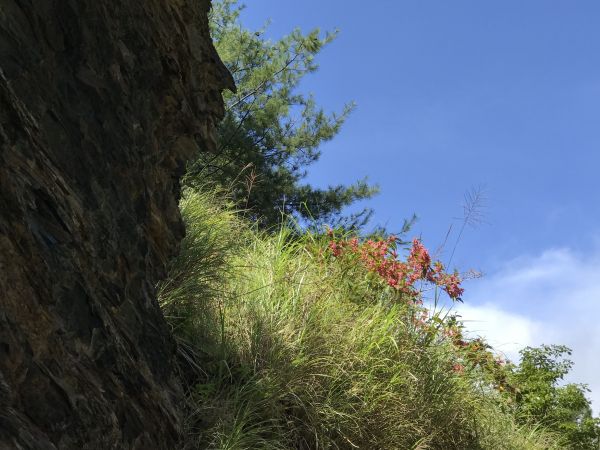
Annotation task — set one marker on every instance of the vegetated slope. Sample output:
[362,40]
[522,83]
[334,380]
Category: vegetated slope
[101,105]
[285,345]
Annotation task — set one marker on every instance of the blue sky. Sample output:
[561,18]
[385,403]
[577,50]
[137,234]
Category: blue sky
[454,95]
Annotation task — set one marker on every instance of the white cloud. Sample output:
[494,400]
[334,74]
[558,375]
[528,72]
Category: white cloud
[550,298]
[507,332]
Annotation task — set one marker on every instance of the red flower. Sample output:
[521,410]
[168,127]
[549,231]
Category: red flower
[381,258]
[335,248]
[458,368]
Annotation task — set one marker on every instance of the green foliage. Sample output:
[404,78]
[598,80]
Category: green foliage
[284,346]
[540,398]
[271,132]
[281,345]
[197,276]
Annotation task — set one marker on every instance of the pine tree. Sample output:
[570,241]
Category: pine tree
[271,133]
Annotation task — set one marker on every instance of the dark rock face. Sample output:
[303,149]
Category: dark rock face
[101,105]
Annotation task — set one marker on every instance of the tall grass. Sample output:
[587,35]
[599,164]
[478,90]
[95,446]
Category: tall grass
[284,348]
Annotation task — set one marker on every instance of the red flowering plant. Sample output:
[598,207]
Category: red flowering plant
[478,355]
[381,258]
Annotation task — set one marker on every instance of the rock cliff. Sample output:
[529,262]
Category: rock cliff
[101,105]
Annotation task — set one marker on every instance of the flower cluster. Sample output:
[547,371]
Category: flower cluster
[379,256]
[476,353]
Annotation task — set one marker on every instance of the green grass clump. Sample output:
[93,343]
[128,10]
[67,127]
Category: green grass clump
[283,347]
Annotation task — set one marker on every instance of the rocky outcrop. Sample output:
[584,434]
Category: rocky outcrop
[101,105]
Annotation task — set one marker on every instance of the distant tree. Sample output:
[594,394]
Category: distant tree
[271,133]
[541,399]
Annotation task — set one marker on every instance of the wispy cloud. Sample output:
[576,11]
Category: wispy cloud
[549,298]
